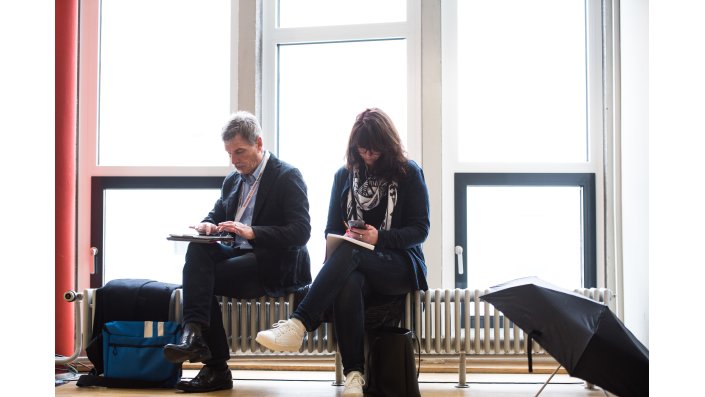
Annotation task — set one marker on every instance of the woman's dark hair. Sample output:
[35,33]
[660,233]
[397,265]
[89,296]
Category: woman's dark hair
[374,130]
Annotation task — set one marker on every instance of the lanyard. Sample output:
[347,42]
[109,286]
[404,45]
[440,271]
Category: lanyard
[255,185]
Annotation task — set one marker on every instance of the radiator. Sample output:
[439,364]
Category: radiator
[244,318]
[450,321]
[84,312]
[446,321]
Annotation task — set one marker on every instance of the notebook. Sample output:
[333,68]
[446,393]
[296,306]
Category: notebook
[199,238]
[334,240]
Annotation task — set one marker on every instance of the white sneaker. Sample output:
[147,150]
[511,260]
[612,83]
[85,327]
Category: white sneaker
[353,384]
[285,335]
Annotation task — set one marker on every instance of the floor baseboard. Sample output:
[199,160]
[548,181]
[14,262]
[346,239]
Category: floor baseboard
[480,364]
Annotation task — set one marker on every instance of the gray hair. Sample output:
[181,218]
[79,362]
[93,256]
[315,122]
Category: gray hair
[244,124]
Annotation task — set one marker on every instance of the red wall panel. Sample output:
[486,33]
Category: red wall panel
[66,83]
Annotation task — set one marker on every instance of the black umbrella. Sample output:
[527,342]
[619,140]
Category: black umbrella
[584,336]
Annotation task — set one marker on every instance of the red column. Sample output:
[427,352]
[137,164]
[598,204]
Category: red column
[66,83]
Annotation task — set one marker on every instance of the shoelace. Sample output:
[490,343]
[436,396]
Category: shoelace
[356,380]
[282,327]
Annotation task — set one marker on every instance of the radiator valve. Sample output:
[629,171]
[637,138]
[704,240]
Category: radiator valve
[71,296]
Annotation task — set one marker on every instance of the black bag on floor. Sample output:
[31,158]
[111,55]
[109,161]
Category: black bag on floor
[126,301]
[391,368]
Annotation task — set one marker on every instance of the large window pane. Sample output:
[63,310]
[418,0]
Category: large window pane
[322,87]
[521,81]
[518,231]
[136,224]
[512,225]
[164,82]
[302,13]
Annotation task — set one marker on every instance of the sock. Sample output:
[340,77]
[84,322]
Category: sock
[218,366]
[351,373]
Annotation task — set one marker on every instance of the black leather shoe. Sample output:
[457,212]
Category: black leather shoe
[208,379]
[191,347]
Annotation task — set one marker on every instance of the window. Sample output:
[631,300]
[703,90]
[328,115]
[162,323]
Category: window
[521,104]
[322,66]
[162,92]
[153,100]
[518,225]
[522,91]
[132,216]
[522,88]
[307,13]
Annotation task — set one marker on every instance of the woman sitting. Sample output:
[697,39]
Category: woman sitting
[379,197]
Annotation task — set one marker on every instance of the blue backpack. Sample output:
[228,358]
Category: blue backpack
[133,357]
[133,350]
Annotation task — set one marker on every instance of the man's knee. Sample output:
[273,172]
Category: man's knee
[194,253]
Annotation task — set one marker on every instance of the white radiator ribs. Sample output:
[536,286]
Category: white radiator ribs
[450,321]
[446,321]
[453,321]
[246,317]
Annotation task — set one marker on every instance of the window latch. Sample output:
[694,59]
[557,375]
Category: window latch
[459,255]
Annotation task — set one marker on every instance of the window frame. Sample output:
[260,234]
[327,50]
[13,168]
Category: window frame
[89,100]
[598,120]
[100,184]
[91,175]
[273,37]
[586,181]
[254,86]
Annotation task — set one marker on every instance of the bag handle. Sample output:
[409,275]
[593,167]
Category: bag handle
[418,344]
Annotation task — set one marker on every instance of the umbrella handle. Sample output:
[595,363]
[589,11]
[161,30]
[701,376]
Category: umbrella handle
[529,347]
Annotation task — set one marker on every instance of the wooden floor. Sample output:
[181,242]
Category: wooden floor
[257,383]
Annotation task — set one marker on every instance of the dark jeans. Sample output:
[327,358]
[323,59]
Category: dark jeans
[350,276]
[216,269]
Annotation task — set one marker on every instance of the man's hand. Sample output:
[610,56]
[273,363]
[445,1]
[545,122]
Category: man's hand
[205,228]
[237,228]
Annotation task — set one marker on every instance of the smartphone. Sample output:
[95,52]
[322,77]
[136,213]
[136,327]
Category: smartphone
[356,223]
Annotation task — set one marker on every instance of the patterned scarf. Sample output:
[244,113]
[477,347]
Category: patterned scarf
[369,195]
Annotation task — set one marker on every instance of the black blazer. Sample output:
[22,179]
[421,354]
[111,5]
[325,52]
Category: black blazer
[281,223]
[410,220]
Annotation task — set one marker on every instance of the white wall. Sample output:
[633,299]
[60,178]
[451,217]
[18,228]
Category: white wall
[677,192]
[635,165]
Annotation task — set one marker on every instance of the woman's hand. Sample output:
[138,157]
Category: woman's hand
[366,235]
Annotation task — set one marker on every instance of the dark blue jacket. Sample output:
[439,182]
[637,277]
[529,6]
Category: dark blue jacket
[410,220]
[281,223]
